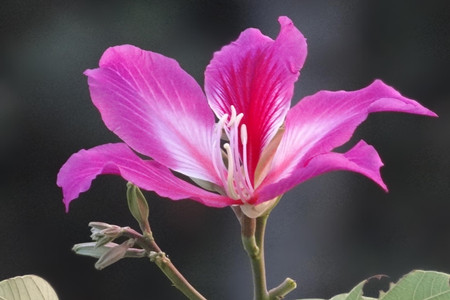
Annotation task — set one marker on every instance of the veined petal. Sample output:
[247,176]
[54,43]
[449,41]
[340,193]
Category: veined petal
[362,158]
[84,166]
[326,120]
[256,75]
[156,108]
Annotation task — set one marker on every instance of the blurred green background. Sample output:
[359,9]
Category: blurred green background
[328,234]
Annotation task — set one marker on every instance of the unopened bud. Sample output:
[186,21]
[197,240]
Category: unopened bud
[114,254]
[104,233]
[109,253]
[138,205]
[89,249]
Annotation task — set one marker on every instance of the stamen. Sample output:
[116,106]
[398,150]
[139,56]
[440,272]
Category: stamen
[230,184]
[237,183]
[217,154]
[233,116]
[239,180]
[244,136]
[244,139]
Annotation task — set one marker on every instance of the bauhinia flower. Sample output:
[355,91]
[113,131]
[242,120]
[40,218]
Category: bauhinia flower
[239,142]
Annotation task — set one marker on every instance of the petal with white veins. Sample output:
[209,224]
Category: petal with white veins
[326,120]
[362,158]
[77,174]
[155,107]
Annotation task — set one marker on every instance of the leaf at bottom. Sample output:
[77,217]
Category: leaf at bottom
[28,287]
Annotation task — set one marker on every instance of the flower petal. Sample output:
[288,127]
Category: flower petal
[326,120]
[362,158]
[156,108]
[256,75]
[84,166]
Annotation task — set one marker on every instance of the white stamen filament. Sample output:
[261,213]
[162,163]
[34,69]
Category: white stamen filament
[230,184]
[232,117]
[244,139]
[237,183]
[217,155]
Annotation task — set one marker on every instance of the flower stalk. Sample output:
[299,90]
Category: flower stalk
[139,209]
[107,252]
[252,233]
[164,264]
[253,242]
[177,279]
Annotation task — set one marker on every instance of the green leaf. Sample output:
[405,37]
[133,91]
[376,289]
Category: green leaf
[416,285]
[420,285]
[28,287]
[355,294]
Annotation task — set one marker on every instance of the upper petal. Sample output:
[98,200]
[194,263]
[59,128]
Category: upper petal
[326,120]
[156,108]
[77,174]
[256,75]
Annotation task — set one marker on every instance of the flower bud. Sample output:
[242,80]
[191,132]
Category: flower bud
[114,254]
[138,205]
[89,249]
[104,233]
[109,253]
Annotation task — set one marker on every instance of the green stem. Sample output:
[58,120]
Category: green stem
[147,242]
[253,232]
[177,279]
[287,286]
[253,241]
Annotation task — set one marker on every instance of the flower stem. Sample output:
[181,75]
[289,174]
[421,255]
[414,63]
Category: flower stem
[177,279]
[147,242]
[252,232]
[253,241]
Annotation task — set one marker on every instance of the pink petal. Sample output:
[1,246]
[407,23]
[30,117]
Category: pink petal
[326,120]
[156,108]
[256,75]
[362,158]
[84,166]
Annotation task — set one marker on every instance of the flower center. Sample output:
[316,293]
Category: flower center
[235,180]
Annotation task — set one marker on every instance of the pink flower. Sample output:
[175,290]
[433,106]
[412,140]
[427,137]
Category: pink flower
[160,112]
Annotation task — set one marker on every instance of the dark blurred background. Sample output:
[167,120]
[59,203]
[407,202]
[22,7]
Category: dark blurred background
[328,234]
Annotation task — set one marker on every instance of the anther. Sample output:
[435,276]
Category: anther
[244,139]
[244,136]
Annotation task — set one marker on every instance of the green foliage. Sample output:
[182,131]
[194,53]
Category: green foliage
[417,285]
[28,287]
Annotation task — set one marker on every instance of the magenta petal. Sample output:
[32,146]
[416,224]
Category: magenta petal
[326,120]
[362,158]
[156,108]
[84,166]
[256,75]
